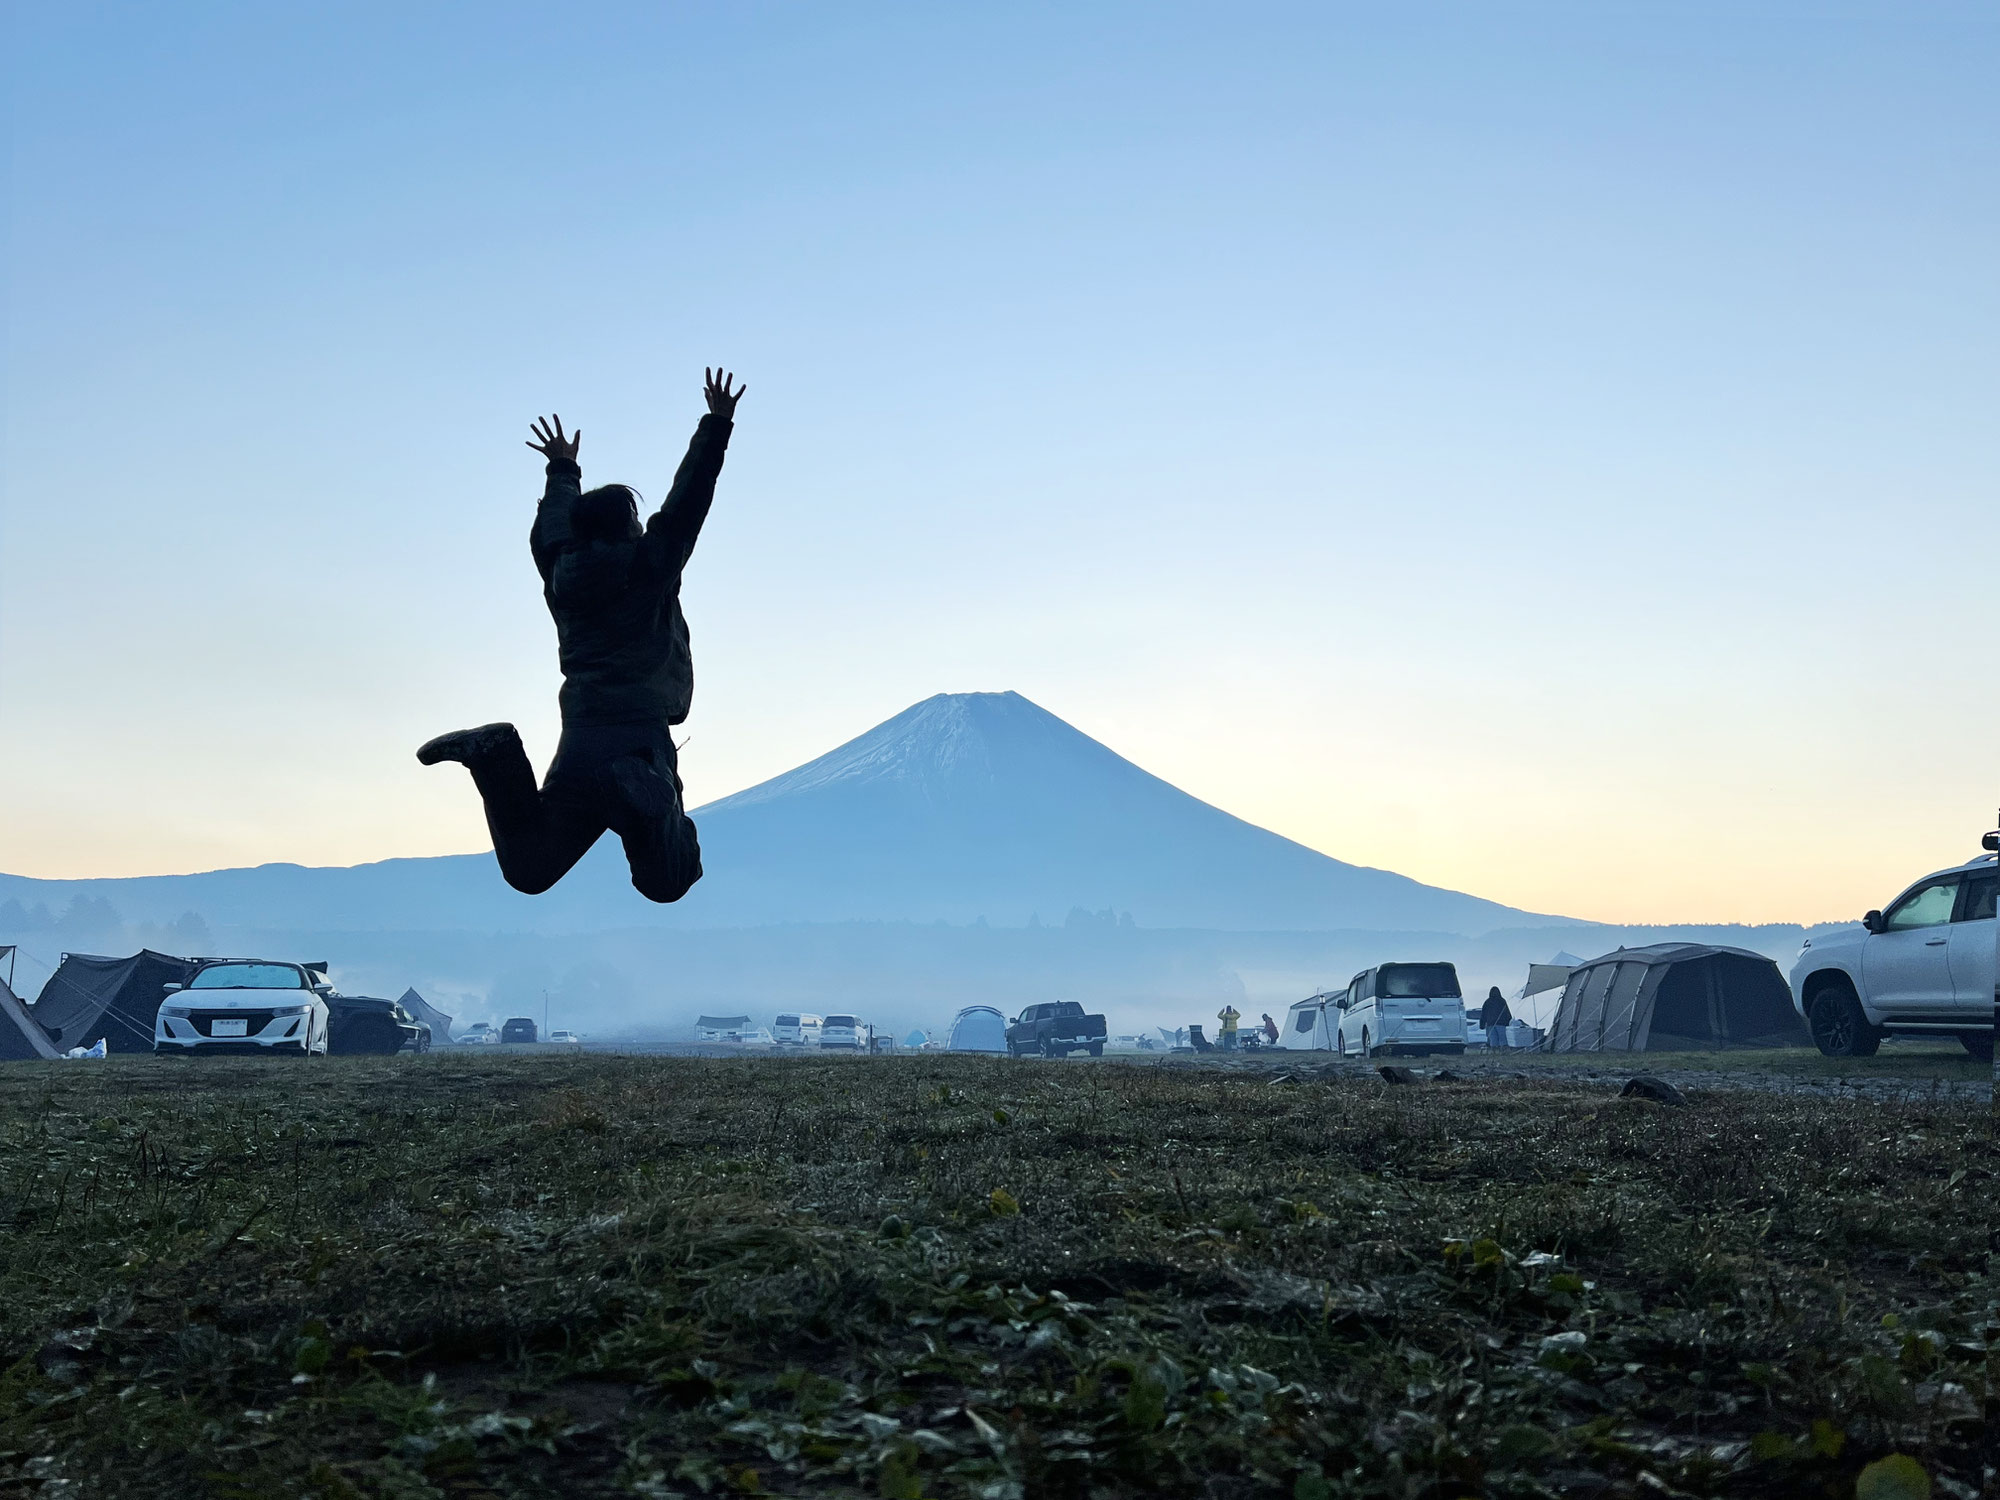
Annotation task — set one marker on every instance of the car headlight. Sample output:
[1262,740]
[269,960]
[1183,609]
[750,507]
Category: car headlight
[179,1011]
[290,1010]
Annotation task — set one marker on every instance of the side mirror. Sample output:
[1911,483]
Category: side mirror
[1990,842]
[1872,921]
[322,989]
[170,988]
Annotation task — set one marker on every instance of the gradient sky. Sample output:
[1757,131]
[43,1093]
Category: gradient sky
[1545,450]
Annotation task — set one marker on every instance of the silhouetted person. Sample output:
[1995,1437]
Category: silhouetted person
[1495,1016]
[1270,1029]
[614,589]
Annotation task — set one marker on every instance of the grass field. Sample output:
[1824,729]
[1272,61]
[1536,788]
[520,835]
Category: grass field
[479,1276]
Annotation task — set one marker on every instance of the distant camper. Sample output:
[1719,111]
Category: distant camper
[720,1028]
[796,1030]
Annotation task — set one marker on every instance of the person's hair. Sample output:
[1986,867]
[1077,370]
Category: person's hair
[1494,993]
[609,513]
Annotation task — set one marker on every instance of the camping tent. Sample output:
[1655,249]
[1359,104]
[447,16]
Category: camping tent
[1676,997]
[21,1036]
[421,1009]
[978,1028]
[117,999]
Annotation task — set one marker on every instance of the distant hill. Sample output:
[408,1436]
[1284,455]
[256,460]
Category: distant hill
[962,807]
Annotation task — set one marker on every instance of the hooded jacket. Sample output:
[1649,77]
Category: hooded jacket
[1495,1012]
[616,600]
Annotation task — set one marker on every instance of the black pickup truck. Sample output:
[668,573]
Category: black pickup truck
[1055,1029]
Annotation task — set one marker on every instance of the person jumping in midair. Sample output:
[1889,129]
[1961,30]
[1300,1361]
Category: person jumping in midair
[614,589]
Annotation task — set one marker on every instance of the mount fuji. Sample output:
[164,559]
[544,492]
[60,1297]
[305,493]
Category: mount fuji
[963,807]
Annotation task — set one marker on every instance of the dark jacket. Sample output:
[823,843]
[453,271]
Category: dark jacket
[1495,1012]
[620,634]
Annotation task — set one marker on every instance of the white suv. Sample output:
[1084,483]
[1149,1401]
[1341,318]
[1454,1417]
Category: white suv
[1408,1009]
[244,1005]
[1922,966]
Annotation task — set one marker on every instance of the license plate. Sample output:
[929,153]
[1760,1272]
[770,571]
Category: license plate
[228,1028]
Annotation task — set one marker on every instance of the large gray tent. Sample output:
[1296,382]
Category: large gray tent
[115,1000]
[1676,997]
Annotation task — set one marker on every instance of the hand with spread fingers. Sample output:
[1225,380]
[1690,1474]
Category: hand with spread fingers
[721,400]
[553,444]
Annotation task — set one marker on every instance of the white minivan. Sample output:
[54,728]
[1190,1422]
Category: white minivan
[850,1032]
[1407,1010]
[796,1030]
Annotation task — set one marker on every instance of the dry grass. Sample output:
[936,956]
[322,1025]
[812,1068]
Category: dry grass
[469,1276]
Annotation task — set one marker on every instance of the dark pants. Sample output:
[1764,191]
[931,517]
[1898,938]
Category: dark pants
[624,777]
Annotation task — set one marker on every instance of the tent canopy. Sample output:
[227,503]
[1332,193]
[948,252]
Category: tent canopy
[1676,997]
[978,1028]
[116,1000]
[1545,977]
[21,1036]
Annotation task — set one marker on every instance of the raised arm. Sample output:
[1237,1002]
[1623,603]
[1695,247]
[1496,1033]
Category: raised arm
[671,533]
[551,531]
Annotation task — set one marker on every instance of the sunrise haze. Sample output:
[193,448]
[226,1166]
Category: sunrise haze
[1541,451]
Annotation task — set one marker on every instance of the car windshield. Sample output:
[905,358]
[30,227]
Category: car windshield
[1418,982]
[788,1020]
[248,977]
[840,1021]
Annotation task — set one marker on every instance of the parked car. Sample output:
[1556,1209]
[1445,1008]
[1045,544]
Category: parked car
[796,1030]
[1922,966]
[848,1033]
[478,1034]
[1403,1010]
[518,1029]
[244,1005]
[565,1039]
[756,1036]
[1055,1028]
[364,1025]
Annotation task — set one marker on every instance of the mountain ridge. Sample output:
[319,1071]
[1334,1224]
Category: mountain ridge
[962,807]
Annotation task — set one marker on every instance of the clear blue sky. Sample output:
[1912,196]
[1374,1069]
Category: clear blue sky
[1547,450]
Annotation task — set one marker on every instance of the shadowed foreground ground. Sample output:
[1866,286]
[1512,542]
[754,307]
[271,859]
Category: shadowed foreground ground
[474,1276]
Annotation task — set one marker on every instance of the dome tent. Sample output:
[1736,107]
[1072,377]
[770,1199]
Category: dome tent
[978,1028]
[1676,997]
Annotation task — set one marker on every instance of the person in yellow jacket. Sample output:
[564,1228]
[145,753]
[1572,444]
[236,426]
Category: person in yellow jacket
[1229,1015]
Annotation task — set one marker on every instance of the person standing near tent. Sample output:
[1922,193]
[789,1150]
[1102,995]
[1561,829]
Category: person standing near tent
[1270,1029]
[1495,1017]
[1229,1015]
[614,589]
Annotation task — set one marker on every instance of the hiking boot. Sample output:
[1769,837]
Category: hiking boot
[642,789]
[469,746]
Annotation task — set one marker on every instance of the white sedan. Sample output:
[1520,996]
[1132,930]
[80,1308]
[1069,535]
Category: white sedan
[244,1005]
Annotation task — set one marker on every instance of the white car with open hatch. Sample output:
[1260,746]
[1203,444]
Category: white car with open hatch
[244,1005]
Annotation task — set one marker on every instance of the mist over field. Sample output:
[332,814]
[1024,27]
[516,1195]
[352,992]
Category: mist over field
[973,849]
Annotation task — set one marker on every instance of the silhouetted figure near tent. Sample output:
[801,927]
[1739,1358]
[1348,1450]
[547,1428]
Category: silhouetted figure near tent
[1496,1016]
[614,589]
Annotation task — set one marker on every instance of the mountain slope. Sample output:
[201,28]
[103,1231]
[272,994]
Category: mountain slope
[963,806]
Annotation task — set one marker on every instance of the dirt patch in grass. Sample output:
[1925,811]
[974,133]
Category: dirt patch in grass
[961,1276]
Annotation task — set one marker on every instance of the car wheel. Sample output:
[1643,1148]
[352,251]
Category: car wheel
[1097,1049]
[1340,1044]
[1839,1027]
[1366,1050]
[1048,1048]
[1978,1043]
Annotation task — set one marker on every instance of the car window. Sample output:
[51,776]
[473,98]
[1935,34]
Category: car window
[1929,905]
[1419,981]
[1979,897]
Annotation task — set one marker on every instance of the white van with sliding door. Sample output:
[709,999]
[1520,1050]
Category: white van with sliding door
[1401,1010]
[796,1030]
